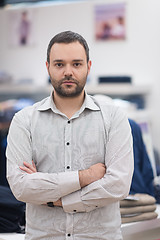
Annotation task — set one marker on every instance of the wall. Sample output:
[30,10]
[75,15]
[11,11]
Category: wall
[138,55]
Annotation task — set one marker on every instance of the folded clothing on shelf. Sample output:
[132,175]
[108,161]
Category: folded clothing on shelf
[138,207]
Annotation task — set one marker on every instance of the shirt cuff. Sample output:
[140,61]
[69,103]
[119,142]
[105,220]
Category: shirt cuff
[72,203]
[68,182]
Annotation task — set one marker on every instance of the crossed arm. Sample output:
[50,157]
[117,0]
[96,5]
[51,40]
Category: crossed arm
[87,176]
[84,190]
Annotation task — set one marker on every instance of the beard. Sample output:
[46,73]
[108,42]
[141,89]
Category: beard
[68,90]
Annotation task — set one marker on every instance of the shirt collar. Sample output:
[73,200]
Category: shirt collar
[48,103]
[89,103]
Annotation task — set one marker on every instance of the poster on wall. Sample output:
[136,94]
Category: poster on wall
[21,27]
[110,21]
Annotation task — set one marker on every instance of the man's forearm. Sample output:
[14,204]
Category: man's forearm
[87,176]
[92,174]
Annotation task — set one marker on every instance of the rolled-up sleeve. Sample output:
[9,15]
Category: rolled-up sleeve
[115,184]
[37,188]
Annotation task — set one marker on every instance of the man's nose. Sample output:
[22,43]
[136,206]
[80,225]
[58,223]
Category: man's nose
[68,71]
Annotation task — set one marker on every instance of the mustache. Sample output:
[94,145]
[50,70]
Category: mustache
[69,78]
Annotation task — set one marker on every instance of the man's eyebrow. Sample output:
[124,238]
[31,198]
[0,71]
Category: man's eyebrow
[58,60]
[78,60]
[74,60]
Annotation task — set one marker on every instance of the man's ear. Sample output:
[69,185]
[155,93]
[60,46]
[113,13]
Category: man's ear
[89,66]
[47,66]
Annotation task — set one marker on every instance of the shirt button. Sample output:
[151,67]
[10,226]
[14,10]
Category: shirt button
[69,234]
[69,122]
[68,167]
[67,143]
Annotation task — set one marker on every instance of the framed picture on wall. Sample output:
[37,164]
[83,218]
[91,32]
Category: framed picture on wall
[21,27]
[110,21]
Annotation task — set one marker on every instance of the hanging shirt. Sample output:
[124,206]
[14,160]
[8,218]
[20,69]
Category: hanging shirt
[60,147]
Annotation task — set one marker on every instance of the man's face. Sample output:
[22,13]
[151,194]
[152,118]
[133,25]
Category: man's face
[68,68]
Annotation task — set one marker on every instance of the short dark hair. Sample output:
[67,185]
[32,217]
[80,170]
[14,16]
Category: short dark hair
[68,37]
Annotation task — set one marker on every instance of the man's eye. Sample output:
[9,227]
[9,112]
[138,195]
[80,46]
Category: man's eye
[59,64]
[77,64]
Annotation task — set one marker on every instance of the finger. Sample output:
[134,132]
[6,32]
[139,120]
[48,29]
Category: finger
[33,164]
[28,165]
[25,169]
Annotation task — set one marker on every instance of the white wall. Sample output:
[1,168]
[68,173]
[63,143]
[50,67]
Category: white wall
[138,55]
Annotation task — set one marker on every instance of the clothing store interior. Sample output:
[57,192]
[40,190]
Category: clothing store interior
[124,42]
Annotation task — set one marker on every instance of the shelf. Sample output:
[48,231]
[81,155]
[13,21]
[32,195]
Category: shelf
[118,89]
[141,226]
[108,89]
[26,89]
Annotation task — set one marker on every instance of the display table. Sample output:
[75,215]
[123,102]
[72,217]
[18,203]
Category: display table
[143,230]
[11,236]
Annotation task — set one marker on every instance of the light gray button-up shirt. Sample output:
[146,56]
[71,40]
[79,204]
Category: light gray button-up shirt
[60,147]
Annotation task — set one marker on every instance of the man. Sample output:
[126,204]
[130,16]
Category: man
[81,151]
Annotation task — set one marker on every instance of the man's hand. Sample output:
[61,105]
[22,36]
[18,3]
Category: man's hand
[29,168]
[92,174]
[58,203]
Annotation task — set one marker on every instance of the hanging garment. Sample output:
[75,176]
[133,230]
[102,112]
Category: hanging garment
[12,212]
[3,143]
[142,181]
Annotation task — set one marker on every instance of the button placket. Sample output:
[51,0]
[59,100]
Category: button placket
[69,226]
[67,139]
[68,167]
